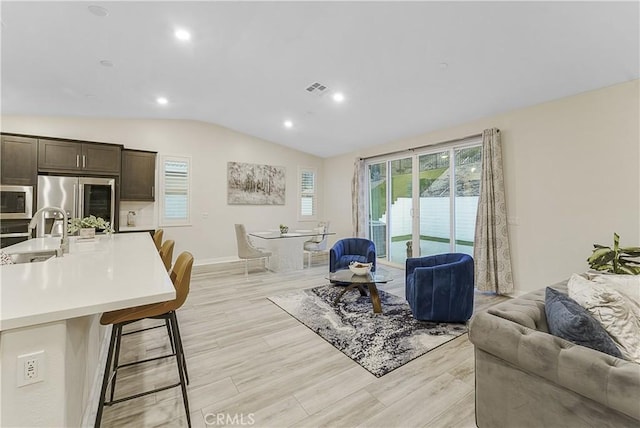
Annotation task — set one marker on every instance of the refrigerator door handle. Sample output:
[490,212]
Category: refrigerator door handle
[80,208]
[15,235]
[75,202]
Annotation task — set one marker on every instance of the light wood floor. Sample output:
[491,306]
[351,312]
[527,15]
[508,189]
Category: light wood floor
[251,364]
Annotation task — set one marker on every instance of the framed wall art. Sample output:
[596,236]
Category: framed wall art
[255,184]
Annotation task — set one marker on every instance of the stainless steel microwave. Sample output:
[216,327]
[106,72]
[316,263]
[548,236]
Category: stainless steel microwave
[16,202]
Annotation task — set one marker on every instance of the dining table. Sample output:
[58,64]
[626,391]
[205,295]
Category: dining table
[287,249]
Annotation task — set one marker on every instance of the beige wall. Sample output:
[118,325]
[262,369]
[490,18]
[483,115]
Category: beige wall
[572,179]
[210,147]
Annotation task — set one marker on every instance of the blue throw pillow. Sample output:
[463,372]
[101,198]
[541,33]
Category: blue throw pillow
[570,321]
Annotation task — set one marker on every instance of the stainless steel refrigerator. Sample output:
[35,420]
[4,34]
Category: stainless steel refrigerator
[78,196]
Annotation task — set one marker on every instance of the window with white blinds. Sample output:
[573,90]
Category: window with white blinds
[308,194]
[176,191]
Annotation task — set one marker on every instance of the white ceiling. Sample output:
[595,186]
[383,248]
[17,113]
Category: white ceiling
[248,63]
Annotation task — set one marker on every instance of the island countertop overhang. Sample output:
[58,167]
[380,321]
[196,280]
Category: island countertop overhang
[111,272]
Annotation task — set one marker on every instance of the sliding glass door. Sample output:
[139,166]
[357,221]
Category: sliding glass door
[468,165]
[377,206]
[435,204]
[424,204]
[400,218]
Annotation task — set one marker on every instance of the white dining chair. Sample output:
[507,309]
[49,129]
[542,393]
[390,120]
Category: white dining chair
[247,251]
[317,244]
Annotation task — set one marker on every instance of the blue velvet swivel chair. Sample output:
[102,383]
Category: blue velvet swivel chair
[440,287]
[350,250]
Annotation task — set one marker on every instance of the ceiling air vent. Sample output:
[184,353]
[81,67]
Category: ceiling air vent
[317,88]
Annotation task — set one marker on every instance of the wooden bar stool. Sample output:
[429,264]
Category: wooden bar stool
[166,253]
[157,238]
[181,278]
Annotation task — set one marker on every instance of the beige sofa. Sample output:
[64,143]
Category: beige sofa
[526,377]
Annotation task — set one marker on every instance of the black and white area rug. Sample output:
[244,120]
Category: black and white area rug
[378,342]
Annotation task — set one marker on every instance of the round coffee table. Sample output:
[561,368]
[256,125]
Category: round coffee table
[351,281]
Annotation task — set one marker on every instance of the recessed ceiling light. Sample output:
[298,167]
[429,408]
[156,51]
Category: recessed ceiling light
[288,124]
[98,10]
[338,97]
[162,100]
[106,63]
[182,35]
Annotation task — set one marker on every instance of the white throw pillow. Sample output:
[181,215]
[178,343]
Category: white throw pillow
[629,285]
[618,314]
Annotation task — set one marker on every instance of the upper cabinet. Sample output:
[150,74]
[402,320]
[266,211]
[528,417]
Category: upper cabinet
[72,156]
[19,160]
[138,177]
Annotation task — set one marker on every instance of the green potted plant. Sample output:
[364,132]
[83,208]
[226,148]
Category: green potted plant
[284,229]
[91,222]
[618,260]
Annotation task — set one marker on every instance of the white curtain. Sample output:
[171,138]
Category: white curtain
[491,245]
[358,199]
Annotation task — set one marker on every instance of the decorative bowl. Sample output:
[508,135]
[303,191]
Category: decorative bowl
[360,268]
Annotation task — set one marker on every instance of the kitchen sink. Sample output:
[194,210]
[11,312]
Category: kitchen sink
[39,256]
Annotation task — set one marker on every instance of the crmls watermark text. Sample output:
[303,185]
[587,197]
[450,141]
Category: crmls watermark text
[223,419]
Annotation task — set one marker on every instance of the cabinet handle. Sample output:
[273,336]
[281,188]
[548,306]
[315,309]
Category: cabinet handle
[153,188]
[84,161]
[77,161]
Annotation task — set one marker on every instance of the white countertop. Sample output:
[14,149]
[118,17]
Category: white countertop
[111,272]
[32,245]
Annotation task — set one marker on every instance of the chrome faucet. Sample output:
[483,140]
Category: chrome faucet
[64,243]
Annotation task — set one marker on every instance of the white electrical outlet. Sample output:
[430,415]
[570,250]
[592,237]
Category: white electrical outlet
[30,368]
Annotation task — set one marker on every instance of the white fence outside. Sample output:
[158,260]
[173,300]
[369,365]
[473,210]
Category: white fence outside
[434,217]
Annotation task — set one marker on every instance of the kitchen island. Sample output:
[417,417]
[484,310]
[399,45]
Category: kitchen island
[54,306]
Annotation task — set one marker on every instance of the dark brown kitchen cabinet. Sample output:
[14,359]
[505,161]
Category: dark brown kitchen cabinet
[138,179]
[18,160]
[72,156]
